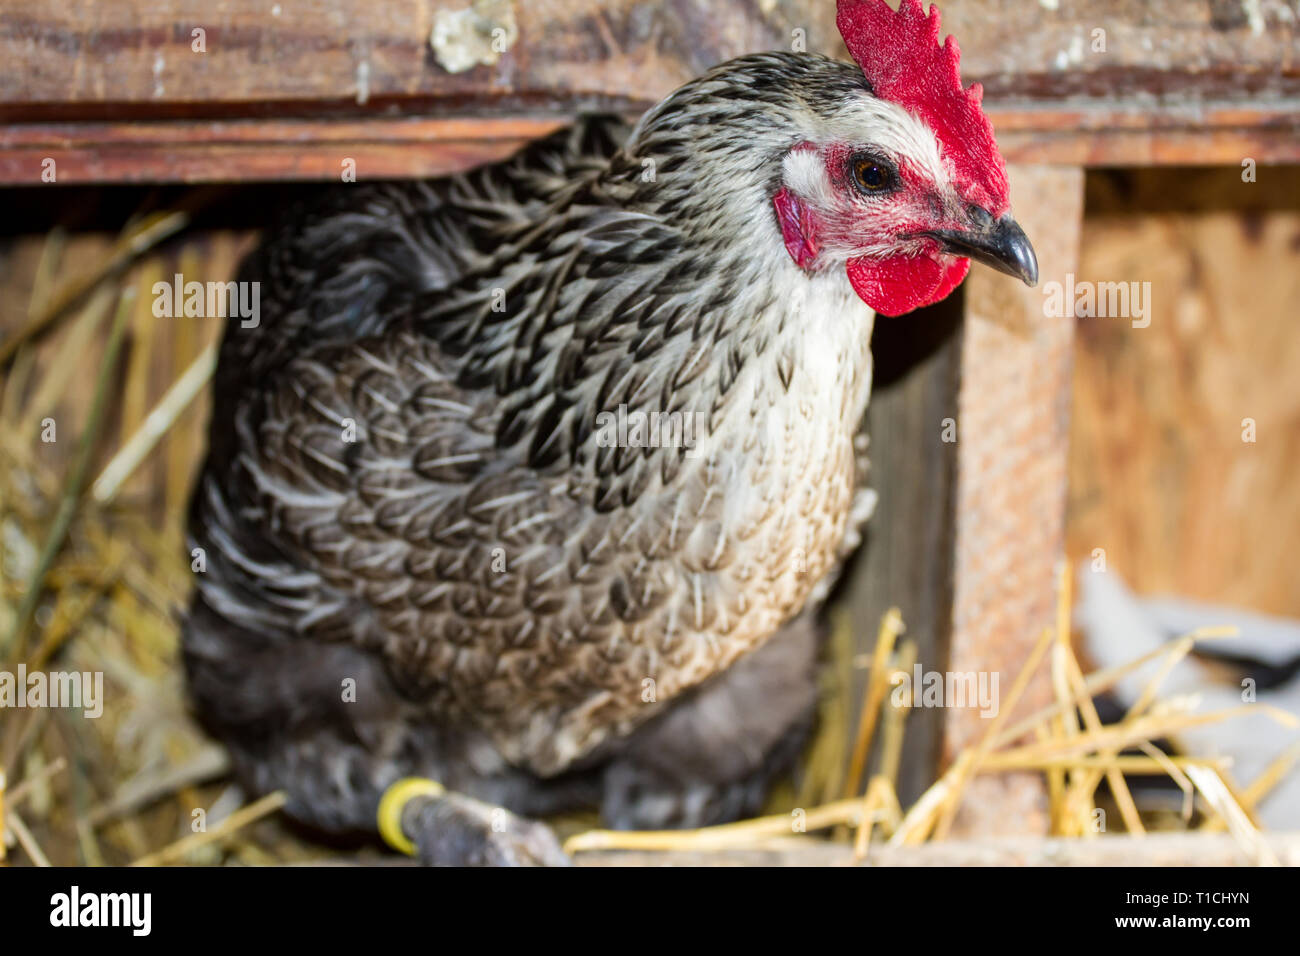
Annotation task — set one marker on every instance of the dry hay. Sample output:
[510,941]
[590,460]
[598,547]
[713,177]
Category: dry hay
[1065,741]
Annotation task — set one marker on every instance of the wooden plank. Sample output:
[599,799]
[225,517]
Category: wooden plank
[1080,133]
[226,151]
[396,147]
[371,55]
[258,52]
[118,94]
[1164,478]
[1011,482]
[1154,850]
[907,556]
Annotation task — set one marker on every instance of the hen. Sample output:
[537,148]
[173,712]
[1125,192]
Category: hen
[528,480]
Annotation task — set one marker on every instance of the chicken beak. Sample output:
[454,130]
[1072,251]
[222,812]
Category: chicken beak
[1000,244]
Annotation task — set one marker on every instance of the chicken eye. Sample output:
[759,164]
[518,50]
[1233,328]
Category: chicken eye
[871,175]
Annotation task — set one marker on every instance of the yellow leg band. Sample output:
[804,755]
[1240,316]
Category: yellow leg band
[394,801]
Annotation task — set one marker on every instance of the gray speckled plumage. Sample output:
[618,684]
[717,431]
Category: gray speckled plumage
[407,485]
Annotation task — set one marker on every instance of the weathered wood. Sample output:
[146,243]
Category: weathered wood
[396,147]
[1154,850]
[1073,133]
[1167,487]
[329,51]
[220,151]
[907,555]
[121,95]
[1012,436]
[350,57]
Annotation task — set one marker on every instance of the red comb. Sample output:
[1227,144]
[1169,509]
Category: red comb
[901,57]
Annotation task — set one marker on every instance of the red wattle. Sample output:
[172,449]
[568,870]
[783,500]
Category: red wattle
[903,283]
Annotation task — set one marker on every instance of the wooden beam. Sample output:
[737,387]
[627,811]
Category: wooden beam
[385,147]
[1091,133]
[1013,428]
[257,54]
[121,94]
[255,150]
[141,57]
[1153,850]
[907,555]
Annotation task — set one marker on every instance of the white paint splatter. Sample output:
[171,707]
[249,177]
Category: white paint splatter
[463,39]
[1254,16]
[1076,49]
[363,81]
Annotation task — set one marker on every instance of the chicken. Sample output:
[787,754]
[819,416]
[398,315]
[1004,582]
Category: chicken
[436,543]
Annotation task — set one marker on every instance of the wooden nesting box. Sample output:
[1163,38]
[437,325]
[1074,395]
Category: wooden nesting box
[970,531]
